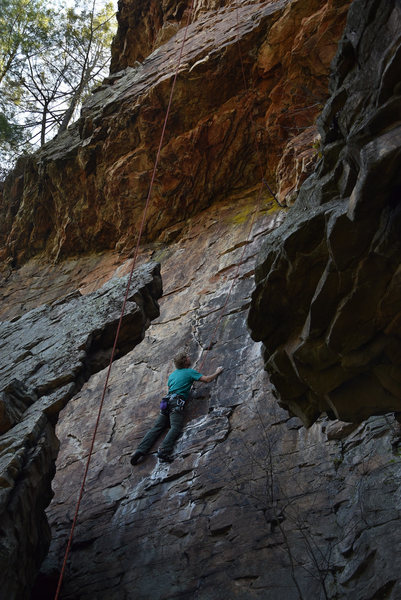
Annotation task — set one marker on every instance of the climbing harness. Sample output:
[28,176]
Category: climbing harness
[179,403]
[171,403]
[124,304]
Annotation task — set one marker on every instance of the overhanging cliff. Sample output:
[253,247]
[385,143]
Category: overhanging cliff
[337,348]
[85,191]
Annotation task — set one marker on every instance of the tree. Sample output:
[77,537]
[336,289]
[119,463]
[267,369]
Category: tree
[24,28]
[50,59]
[88,41]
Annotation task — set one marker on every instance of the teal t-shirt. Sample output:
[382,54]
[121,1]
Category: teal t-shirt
[180,381]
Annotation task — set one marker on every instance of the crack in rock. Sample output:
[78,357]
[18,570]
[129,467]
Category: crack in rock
[54,349]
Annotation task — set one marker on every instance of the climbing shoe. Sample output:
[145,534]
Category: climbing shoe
[164,457]
[135,457]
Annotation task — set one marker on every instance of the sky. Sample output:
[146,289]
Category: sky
[72,3]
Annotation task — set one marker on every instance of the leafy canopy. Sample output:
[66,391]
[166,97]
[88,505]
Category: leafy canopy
[51,57]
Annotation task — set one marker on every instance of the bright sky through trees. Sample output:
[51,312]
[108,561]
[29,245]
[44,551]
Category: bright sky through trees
[52,54]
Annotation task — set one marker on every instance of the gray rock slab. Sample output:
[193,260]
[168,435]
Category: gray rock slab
[46,355]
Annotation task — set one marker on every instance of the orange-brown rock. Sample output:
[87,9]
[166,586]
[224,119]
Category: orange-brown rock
[86,190]
[296,164]
[144,26]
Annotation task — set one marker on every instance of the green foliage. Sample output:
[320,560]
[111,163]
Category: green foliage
[51,57]
[9,132]
[24,28]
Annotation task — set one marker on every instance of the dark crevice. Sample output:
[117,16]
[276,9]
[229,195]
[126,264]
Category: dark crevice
[45,587]
[384,592]
[100,345]
[221,530]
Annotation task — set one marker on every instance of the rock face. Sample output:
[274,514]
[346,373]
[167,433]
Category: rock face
[85,191]
[46,355]
[254,505]
[142,27]
[328,296]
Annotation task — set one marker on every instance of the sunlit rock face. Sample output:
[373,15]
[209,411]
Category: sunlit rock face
[328,297]
[253,77]
[144,26]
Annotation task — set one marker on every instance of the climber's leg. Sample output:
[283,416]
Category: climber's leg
[148,440]
[176,423]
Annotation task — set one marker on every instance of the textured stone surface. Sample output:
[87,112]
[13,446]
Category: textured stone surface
[46,355]
[14,400]
[52,346]
[144,26]
[328,295]
[85,191]
[251,492]
[254,506]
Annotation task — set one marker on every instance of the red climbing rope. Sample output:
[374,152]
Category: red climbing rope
[123,306]
[142,225]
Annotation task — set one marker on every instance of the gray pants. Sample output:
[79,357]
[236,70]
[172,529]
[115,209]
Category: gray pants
[175,420]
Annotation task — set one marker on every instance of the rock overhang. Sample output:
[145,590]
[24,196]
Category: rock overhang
[326,303]
[85,190]
[47,354]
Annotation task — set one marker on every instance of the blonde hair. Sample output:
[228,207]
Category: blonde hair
[180,359]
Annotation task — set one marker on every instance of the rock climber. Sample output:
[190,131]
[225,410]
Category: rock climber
[172,408]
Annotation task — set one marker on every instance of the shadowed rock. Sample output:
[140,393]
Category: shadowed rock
[46,356]
[254,504]
[14,400]
[327,300]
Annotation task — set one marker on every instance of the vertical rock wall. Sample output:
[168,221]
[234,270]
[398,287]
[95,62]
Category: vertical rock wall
[254,506]
[46,355]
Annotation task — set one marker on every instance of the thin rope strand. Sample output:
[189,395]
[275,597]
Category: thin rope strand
[257,146]
[123,309]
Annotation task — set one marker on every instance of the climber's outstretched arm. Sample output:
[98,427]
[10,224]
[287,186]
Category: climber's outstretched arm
[209,378]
